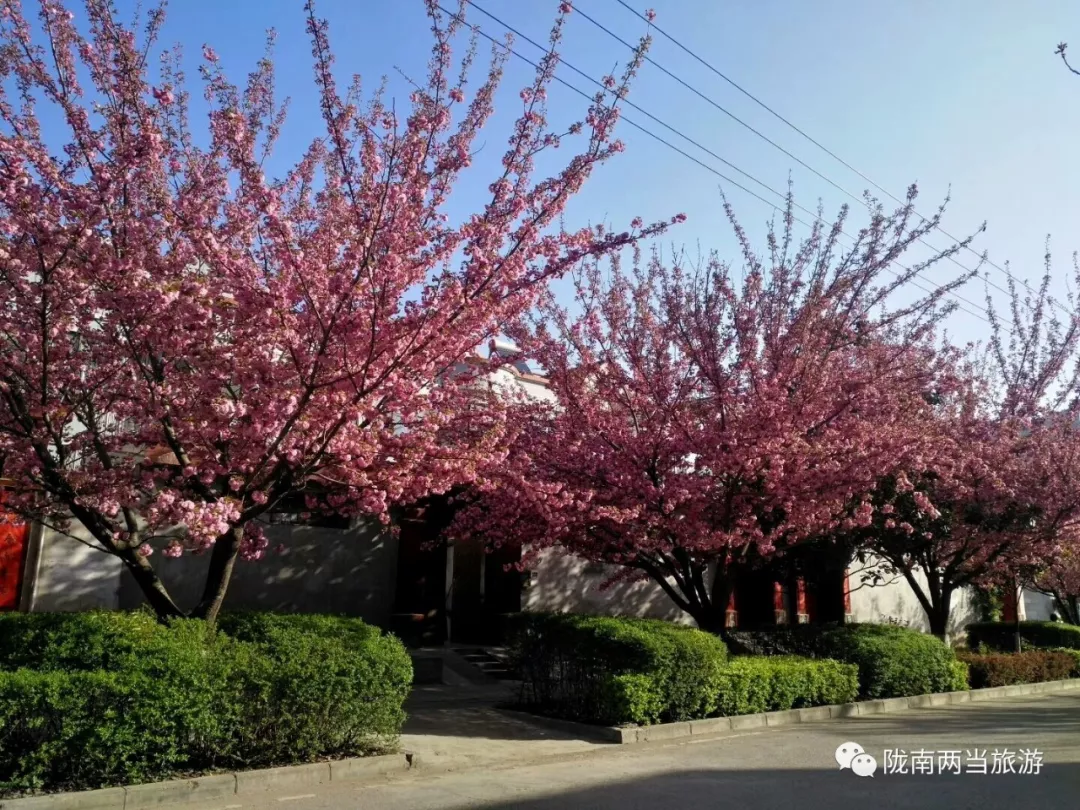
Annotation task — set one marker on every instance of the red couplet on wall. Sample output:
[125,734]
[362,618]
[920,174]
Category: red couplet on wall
[13,539]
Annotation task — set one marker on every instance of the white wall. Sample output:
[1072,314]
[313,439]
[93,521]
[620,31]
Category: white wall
[71,576]
[561,582]
[321,570]
[894,599]
[351,571]
[1037,607]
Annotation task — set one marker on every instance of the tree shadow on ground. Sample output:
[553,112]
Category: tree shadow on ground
[1050,713]
[1054,715]
[479,722]
[1054,787]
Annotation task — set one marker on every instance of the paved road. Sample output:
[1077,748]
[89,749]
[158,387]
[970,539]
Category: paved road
[773,768]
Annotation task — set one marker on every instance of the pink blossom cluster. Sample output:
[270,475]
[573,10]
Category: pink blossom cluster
[715,417]
[188,343]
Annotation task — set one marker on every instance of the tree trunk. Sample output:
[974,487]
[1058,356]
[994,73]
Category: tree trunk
[713,618]
[222,561]
[1068,607]
[934,598]
[157,595]
[938,615]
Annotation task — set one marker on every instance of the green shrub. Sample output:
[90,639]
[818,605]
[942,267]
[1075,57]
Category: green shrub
[256,626]
[893,661]
[306,696]
[77,730]
[961,677]
[185,698]
[1004,669]
[571,667]
[631,698]
[86,642]
[765,684]
[1039,635]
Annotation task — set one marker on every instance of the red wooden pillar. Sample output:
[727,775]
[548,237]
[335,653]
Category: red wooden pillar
[779,612]
[731,615]
[801,612]
[1009,606]
[847,593]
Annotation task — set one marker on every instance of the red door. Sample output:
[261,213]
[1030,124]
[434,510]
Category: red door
[13,539]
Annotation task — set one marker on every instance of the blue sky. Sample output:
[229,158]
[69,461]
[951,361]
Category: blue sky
[966,93]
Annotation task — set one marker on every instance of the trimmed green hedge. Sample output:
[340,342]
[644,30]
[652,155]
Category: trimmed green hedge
[95,699]
[76,641]
[760,684]
[1004,669]
[255,626]
[1040,635]
[613,670]
[893,661]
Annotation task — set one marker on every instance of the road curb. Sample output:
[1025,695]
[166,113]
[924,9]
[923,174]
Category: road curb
[176,792]
[624,735]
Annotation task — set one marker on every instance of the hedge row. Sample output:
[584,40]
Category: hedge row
[610,670]
[1005,669]
[95,699]
[613,671]
[892,661]
[1040,635]
[752,685]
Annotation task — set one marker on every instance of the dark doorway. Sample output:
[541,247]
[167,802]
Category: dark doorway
[487,587]
[419,616]
[754,593]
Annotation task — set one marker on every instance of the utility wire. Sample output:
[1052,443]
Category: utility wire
[822,147]
[687,155]
[857,198]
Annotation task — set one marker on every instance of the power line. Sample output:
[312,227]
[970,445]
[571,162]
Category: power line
[767,139]
[687,155]
[826,150]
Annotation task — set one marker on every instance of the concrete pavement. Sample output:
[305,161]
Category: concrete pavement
[456,727]
[790,766]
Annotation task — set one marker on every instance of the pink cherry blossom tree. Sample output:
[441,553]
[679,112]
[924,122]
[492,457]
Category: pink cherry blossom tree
[163,300]
[707,418]
[998,493]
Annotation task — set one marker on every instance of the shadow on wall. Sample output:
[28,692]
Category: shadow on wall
[69,575]
[564,583]
[1038,606]
[321,570]
[895,600]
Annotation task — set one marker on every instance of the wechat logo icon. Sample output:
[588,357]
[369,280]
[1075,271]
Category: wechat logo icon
[852,755]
